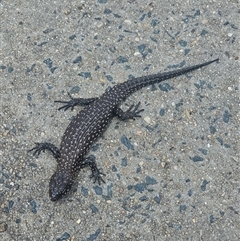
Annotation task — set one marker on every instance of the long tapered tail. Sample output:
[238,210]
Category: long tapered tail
[133,85]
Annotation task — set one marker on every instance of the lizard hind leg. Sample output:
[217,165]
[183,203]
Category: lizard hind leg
[129,114]
[41,147]
[74,102]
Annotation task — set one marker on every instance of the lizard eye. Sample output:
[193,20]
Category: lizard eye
[59,185]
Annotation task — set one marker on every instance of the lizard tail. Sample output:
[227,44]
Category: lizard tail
[135,84]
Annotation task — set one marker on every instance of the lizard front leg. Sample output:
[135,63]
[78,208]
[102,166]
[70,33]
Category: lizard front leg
[96,173]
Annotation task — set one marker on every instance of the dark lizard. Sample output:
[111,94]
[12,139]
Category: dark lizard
[89,123]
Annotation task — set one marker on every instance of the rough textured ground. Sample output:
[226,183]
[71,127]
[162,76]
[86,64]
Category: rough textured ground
[172,174]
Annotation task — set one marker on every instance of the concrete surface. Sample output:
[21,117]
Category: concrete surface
[172,174]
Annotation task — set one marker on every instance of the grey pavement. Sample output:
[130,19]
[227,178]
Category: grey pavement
[172,174]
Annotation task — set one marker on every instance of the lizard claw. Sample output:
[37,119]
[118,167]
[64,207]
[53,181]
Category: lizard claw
[69,104]
[96,176]
[38,148]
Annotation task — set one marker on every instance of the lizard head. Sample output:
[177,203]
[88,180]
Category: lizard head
[60,184]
